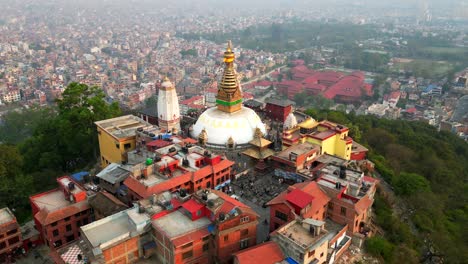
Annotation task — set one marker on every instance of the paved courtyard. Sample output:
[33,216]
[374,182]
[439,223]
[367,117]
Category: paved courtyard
[255,191]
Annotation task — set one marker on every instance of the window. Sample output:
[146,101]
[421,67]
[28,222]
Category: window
[117,146]
[244,219]
[311,253]
[187,245]
[13,240]
[281,215]
[85,221]
[54,224]
[206,247]
[58,243]
[330,206]
[321,254]
[127,145]
[343,211]
[11,232]
[244,244]
[2,245]
[206,238]
[68,227]
[67,219]
[70,238]
[356,223]
[244,232]
[187,254]
[208,185]
[55,233]
[226,238]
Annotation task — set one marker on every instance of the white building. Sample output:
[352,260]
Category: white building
[168,107]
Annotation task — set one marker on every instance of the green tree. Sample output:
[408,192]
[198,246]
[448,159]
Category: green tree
[69,140]
[410,183]
[380,247]
[19,125]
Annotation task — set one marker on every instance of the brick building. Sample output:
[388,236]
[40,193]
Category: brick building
[59,213]
[312,241]
[278,109]
[302,199]
[177,167]
[208,227]
[10,234]
[351,194]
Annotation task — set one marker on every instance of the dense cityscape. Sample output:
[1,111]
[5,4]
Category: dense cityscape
[221,132]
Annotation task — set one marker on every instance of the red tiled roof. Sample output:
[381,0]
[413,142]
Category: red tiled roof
[266,253]
[363,204]
[299,198]
[320,198]
[349,86]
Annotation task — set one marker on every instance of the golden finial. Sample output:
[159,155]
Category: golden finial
[258,133]
[228,54]
[166,79]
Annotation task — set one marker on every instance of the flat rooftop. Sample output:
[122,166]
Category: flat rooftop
[113,228]
[301,236]
[298,149]
[51,201]
[6,216]
[123,126]
[176,224]
[113,173]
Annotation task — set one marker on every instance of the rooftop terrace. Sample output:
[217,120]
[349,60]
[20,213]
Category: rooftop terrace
[176,224]
[51,201]
[6,216]
[114,228]
[123,126]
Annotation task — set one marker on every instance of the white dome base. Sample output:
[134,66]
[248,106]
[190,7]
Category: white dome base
[220,126]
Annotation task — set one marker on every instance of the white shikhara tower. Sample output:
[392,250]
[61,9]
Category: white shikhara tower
[168,107]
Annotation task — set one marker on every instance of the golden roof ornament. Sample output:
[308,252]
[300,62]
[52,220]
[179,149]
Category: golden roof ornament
[258,133]
[229,97]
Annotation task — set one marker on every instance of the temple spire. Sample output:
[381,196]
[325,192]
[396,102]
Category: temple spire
[229,97]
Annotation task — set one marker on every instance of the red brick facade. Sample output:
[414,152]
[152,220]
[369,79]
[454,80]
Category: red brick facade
[10,235]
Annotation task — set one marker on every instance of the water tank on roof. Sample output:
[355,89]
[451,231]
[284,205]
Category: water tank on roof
[71,186]
[149,161]
[152,135]
[140,129]
[222,216]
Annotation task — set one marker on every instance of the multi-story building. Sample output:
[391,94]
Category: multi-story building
[312,241]
[59,213]
[295,161]
[208,227]
[176,167]
[304,200]
[11,96]
[117,137]
[118,238]
[332,138]
[10,234]
[278,109]
[351,194]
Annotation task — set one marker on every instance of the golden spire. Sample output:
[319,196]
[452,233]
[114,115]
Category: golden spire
[166,79]
[229,97]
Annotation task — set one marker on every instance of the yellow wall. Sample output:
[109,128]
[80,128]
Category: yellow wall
[323,248]
[333,146]
[113,149]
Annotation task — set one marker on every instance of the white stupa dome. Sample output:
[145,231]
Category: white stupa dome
[220,126]
[290,121]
